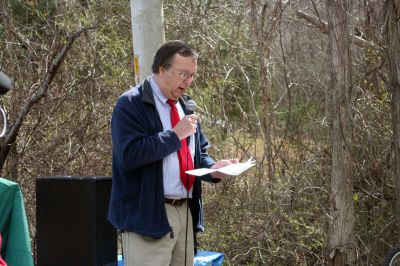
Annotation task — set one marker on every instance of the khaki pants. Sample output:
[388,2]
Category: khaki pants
[141,250]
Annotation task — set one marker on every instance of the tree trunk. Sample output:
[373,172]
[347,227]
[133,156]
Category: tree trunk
[392,30]
[147,34]
[341,234]
[264,33]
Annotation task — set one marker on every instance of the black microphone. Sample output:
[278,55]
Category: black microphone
[190,107]
[5,83]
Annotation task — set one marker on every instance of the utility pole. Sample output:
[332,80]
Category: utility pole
[148,33]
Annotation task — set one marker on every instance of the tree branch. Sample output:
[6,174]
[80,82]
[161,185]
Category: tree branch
[40,93]
[323,27]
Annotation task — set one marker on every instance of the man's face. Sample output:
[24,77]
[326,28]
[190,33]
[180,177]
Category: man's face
[175,80]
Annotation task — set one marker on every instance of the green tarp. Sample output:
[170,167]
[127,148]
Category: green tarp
[16,249]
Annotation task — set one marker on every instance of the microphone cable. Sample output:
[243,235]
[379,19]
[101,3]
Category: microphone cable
[191,111]
[187,204]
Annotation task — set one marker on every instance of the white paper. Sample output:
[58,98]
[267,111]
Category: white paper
[232,169]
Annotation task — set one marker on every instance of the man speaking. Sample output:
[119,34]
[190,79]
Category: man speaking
[154,203]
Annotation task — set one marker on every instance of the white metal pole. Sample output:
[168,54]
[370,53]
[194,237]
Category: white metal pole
[148,33]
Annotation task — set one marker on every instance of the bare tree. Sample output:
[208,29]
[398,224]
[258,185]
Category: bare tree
[341,236]
[66,79]
[392,32]
[57,58]
[264,33]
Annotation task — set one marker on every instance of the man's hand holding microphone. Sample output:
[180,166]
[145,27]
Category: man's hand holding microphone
[186,126]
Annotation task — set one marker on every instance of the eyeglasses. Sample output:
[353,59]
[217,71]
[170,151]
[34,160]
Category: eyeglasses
[184,75]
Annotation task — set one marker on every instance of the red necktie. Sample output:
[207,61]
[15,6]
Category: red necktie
[184,156]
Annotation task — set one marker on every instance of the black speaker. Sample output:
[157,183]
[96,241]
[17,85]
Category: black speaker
[71,222]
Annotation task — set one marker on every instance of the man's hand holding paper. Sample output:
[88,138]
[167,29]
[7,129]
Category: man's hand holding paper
[222,164]
[224,168]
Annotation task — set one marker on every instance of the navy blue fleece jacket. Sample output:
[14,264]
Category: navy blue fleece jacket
[139,146]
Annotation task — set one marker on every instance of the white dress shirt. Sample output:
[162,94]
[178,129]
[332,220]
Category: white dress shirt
[173,187]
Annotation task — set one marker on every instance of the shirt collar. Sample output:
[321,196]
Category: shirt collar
[157,91]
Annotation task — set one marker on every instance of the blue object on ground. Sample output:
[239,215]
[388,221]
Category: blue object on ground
[203,258]
[208,258]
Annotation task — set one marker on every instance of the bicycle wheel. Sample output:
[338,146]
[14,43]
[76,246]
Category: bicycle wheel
[393,258]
